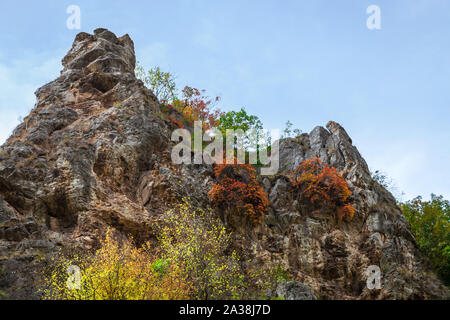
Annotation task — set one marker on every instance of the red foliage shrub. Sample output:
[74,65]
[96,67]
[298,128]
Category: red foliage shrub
[238,189]
[199,107]
[176,122]
[196,106]
[323,186]
[346,211]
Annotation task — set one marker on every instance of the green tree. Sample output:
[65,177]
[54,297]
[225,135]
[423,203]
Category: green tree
[161,83]
[430,222]
[254,136]
[288,132]
[239,120]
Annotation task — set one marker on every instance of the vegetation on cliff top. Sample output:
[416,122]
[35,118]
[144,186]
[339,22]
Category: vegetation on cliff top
[193,104]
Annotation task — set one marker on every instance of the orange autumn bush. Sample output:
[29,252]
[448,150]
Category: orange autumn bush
[176,122]
[194,105]
[198,106]
[346,211]
[237,189]
[323,186]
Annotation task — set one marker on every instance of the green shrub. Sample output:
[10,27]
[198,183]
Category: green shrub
[288,132]
[161,83]
[281,274]
[160,266]
[240,120]
[430,223]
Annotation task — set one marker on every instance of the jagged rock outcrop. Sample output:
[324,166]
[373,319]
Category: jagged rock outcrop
[332,257]
[92,153]
[95,152]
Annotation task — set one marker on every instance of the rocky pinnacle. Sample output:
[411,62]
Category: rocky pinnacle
[94,153]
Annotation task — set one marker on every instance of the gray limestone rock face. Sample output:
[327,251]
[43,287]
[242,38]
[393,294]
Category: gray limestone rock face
[94,153]
[333,261]
[294,290]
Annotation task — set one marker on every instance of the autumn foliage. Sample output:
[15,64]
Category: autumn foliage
[194,105]
[323,186]
[176,122]
[237,189]
[197,240]
[116,271]
[195,259]
[191,103]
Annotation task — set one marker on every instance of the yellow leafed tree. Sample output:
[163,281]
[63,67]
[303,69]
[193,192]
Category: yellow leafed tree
[117,271]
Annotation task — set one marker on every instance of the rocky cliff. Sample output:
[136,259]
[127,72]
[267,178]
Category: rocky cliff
[95,152]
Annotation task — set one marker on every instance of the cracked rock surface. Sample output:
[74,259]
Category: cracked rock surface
[95,152]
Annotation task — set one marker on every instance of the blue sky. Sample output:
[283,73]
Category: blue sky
[304,61]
